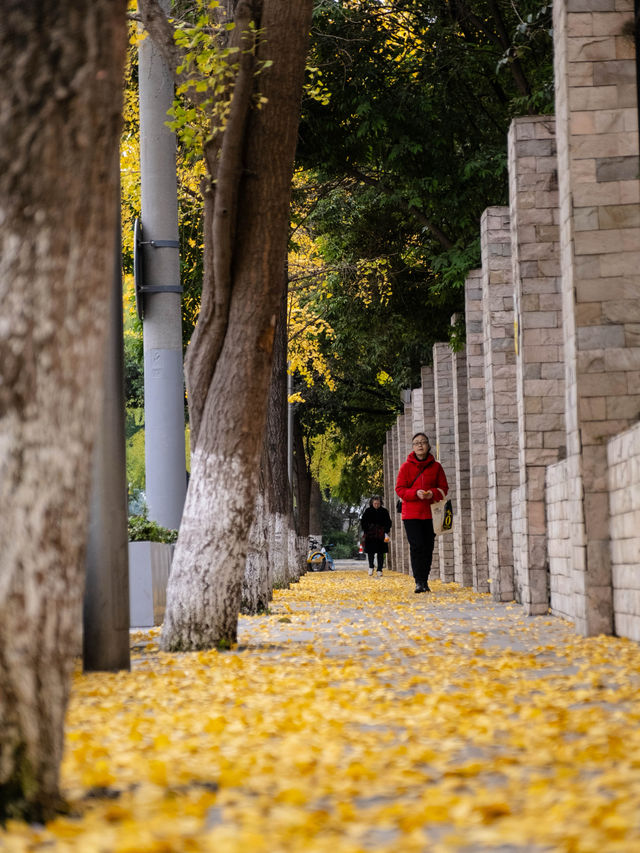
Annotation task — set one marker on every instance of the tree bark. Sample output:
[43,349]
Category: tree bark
[282,570]
[229,366]
[315,513]
[302,478]
[61,65]
[276,429]
[268,563]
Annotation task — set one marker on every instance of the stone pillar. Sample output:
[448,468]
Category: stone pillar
[557,500]
[417,411]
[500,381]
[624,497]
[479,487]
[405,432]
[444,450]
[388,493]
[539,347]
[396,530]
[462,562]
[429,426]
[597,137]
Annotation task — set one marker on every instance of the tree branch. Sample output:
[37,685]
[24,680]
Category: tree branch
[440,236]
[161,31]
[209,334]
[500,38]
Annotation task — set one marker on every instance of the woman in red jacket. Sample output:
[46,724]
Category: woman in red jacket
[421,481]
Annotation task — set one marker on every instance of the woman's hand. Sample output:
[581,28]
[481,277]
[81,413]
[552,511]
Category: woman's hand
[424,495]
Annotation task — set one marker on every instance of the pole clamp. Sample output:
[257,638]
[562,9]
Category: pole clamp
[138,268]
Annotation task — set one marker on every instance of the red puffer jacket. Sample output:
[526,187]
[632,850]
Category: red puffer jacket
[428,474]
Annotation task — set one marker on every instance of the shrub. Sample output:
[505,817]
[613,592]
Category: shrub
[345,543]
[143,530]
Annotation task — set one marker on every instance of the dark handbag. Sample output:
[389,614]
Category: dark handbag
[399,501]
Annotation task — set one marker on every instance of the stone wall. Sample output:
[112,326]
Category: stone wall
[404,448]
[500,396]
[553,349]
[623,453]
[478,482]
[427,386]
[539,347]
[599,197]
[462,562]
[389,497]
[444,449]
[396,530]
[559,542]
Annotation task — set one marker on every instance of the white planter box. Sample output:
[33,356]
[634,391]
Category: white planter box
[149,567]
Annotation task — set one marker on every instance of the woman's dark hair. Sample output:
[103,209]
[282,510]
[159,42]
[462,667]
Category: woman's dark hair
[376,498]
[413,437]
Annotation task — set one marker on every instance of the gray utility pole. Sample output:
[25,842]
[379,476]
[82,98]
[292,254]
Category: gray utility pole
[159,301]
[105,638]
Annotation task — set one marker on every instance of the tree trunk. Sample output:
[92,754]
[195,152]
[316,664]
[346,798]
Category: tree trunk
[302,478]
[61,65]
[282,571]
[315,510]
[276,431]
[256,582]
[268,563]
[230,358]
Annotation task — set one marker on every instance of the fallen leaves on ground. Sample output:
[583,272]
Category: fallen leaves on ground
[356,717]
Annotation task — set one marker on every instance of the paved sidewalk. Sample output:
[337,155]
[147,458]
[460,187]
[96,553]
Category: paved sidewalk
[485,730]
[448,611]
[357,716]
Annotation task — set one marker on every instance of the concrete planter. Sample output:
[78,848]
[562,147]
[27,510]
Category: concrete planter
[149,567]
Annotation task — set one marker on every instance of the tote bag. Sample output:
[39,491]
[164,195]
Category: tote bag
[442,515]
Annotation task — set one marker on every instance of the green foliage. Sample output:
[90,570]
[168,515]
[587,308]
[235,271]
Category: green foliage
[403,152]
[209,69]
[134,432]
[345,543]
[141,529]
[133,362]
[340,525]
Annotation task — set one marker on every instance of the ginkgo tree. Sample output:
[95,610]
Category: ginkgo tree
[60,117]
[243,92]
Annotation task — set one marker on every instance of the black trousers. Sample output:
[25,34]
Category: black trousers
[421,538]
[371,556]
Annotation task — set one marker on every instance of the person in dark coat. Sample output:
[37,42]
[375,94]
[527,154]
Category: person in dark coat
[376,524]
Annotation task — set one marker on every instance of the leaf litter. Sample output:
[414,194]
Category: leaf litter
[358,717]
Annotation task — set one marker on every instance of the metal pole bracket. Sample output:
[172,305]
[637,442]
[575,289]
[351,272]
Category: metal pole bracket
[138,267]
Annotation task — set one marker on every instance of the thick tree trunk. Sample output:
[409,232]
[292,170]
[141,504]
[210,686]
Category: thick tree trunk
[282,571]
[229,366]
[315,513]
[61,66]
[256,583]
[268,564]
[302,478]
[268,557]
[276,431]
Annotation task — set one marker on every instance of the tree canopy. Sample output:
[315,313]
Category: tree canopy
[402,146]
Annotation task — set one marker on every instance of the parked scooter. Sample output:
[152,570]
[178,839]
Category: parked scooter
[319,558]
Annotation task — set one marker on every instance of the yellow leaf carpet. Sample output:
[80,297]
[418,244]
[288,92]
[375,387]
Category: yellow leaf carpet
[357,716]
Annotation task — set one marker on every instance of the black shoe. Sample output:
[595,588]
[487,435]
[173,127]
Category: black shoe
[427,588]
[419,588]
